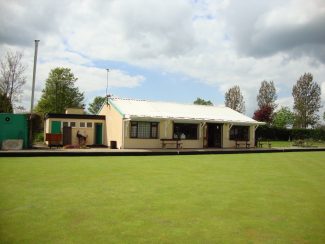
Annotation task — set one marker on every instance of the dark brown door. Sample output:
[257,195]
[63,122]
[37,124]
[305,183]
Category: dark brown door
[214,135]
[67,135]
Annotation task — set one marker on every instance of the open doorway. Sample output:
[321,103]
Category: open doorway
[214,135]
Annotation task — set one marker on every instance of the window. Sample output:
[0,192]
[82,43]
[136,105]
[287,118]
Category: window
[89,125]
[240,133]
[65,124]
[73,124]
[185,131]
[82,124]
[144,129]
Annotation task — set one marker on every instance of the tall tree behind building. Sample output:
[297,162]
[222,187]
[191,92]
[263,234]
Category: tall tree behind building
[60,92]
[266,102]
[307,101]
[96,105]
[200,101]
[267,95]
[234,99]
[12,80]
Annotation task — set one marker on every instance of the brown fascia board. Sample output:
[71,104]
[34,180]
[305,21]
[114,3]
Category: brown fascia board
[75,116]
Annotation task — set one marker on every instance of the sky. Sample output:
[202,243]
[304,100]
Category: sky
[172,50]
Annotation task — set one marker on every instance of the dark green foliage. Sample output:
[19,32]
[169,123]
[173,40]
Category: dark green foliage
[200,101]
[283,134]
[60,93]
[96,105]
[5,104]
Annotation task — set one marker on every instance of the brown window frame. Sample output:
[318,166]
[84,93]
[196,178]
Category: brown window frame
[180,128]
[135,124]
[239,133]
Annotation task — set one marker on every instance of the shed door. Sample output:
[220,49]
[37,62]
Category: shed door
[67,135]
[98,133]
[56,127]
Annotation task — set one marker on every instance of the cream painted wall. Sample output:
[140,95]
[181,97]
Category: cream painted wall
[227,143]
[165,131]
[74,111]
[90,132]
[113,125]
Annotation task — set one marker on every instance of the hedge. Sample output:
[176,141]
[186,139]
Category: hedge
[281,134]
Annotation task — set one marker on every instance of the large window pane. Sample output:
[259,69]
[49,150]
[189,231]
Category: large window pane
[185,131]
[144,130]
[240,133]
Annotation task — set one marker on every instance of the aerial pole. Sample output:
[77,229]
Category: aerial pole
[34,76]
[107,86]
[32,99]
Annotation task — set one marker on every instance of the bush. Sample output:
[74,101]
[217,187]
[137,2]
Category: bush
[39,137]
[281,134]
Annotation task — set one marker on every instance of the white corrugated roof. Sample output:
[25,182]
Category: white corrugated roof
[131,108]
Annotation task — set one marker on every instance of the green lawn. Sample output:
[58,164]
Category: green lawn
[290,143]
[242,198]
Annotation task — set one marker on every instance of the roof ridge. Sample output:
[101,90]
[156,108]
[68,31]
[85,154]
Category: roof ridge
[156,101]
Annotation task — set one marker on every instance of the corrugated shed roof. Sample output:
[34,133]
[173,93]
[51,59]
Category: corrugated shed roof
[131,108]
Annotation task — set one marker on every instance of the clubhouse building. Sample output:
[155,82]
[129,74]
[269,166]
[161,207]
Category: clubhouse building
[131,123]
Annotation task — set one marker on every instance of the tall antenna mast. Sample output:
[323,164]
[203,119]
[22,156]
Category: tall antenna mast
[107,86]
[107,82]
[34,76]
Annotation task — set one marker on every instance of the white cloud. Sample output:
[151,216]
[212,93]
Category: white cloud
[219,43]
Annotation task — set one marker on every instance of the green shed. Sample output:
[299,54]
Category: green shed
[14,126]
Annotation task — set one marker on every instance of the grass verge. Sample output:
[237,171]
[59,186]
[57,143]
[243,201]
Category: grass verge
[255,198]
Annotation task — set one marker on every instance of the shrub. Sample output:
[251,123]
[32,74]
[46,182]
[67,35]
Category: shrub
[282,134]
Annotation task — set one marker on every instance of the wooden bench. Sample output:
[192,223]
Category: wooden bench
[243,143]
[177,142]
[260,144]
[53,139]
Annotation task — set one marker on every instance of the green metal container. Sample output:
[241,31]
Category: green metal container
[14,126]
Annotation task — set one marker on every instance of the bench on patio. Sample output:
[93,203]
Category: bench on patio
[53,139]
[177,142]
[245,144]
[260,144]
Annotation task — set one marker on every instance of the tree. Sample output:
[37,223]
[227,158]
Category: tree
[283,118]
[264,114]
[60,92]
[96,105]
[234,99]
[267,95]
[12,79]
[307,101]
[5,104]
[200,101]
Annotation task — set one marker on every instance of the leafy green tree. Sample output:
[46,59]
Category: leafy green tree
[96,105]
[200,101]
[307,101]
[12,79]
[234,99]
[60,92]
[283,118]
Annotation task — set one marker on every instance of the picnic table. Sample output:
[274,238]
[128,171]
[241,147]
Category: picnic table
[177,142]
[245,143]
[53,139]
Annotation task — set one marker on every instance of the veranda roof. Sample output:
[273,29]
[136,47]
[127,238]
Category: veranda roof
[143,109]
